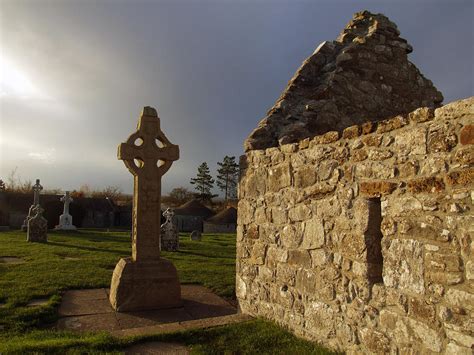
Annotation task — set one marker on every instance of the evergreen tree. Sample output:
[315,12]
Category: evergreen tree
[204,182]
[227,177]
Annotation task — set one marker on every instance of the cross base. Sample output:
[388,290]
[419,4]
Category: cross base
[144,285]
[65,223]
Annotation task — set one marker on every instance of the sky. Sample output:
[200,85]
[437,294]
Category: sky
[75,74]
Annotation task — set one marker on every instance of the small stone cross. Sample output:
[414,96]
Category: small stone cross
[67,200]
[148,155]
[36,192]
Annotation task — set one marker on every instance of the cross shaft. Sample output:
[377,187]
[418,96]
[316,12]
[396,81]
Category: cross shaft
[148,155]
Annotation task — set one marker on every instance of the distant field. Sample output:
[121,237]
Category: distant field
[86,259]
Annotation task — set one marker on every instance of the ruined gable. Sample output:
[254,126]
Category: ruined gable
[364,75]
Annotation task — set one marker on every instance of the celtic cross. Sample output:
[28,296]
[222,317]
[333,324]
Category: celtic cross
[148,155]
[36,192]
[67,200]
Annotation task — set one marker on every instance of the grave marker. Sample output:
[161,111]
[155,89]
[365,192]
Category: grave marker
[36,195]
[65,220]
[146,281]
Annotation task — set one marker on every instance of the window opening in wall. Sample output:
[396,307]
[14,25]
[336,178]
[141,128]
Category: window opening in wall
[373,242]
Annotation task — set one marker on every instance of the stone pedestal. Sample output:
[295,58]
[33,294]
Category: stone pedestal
[65,223]
[143,285]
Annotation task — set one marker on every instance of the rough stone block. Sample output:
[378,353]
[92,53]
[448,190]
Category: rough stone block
[375,341]
[373,140]
[426,185]
[441,138]
[408,169]
[391,124]
[305,176]
[464,156]
[279,177]
[418,308]
[329,137]
[403,265]
[377,188]
[378,154]
[299,258]
[368,127]
[463,177]
[351,132]
[421,114]
[314,234]
[454,349]
[257,255]
[300,213]
[291,236]
[467,134]
[359,155]
[460,298]
[255,182]
[410,142]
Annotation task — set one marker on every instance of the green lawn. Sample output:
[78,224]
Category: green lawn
[85,259]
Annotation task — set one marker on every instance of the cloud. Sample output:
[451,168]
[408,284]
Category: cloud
[48,156]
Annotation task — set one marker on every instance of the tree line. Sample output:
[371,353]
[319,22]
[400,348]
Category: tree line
[226,180]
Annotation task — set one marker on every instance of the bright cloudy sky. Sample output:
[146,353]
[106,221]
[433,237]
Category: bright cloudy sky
[74,74]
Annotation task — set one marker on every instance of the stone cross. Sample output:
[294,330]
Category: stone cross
[36,190]
[67,200]
[148,155]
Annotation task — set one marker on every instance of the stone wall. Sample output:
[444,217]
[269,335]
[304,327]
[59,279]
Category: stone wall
[363,241]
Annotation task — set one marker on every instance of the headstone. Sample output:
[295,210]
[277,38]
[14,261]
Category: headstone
[65,220]
[37,226]
[169,233]
[146,280]
[36,193]
[196,235]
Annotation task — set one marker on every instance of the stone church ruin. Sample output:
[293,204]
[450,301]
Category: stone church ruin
[355,224]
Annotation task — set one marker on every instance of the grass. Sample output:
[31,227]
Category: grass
[86,259]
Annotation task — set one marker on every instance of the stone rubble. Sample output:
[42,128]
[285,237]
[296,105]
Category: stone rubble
[364,75]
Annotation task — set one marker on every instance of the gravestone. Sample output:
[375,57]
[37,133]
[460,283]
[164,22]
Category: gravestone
[196,235]
[146,280]
[37,226]
[36,193]
[169,233]
[65,220]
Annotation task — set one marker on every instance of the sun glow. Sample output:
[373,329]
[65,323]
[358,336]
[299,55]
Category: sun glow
[15,83]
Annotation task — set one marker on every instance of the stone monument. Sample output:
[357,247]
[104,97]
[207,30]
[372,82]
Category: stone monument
[169,233]
[37,227]
[36,194]
[65,220]
[196,235]
[146,281]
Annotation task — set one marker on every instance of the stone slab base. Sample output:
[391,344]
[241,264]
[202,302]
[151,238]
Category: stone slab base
[90,310]
[138,286]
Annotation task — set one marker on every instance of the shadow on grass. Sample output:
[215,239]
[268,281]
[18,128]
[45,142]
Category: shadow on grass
[95,238]
[112,251]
